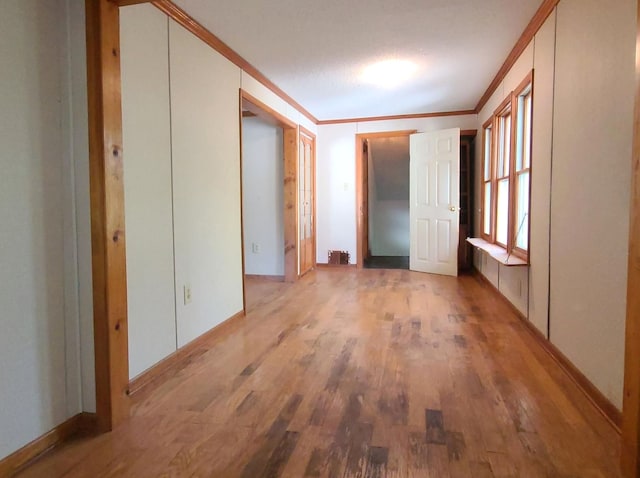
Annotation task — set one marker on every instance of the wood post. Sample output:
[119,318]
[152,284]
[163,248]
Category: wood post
[107,213]
[630,461]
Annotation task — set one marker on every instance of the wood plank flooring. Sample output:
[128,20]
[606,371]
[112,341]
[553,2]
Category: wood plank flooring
[348,373]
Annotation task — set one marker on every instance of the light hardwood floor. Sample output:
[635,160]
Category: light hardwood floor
[359,374]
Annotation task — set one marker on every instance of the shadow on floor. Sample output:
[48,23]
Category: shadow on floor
[387,262]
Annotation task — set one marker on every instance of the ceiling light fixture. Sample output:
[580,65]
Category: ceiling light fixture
[389,73]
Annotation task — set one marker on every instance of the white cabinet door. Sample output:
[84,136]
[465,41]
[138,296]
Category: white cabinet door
[435,201]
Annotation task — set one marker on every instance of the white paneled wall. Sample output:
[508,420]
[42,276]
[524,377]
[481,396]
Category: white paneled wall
[592,139]
[182,182]
[544,60]
[147,179]
[206,183]
[42,121]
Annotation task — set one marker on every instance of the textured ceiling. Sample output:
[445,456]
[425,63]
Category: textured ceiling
[390,161]
[316,51]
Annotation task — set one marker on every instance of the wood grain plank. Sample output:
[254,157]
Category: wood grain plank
[107,213]
[630,460]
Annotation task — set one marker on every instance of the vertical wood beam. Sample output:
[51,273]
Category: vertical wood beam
[291,149]
[107,213]
[630,460]
[360,207]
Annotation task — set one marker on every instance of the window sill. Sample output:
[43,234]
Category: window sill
[497,252]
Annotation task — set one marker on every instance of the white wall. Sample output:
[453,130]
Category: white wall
[592,142]
[583,58]
[206,183]
[147,180]
[263,197]
[390,224]
[543,62]
[40,346]
[336,174]
[79,151]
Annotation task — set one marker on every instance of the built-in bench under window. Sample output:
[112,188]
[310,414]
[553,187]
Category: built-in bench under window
[497,252]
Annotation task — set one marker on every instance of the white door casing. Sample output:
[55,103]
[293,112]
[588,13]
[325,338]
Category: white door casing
[435,201]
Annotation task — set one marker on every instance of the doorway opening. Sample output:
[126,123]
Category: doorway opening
[387,184]
[262,198]
[272,147]
[383,180]
[366,192]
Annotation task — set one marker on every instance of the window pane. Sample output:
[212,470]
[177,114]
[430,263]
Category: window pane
[500,152]
[502,216]
[520,127]
[523,132]
[486,223]
[487,154]
[521,225]
[507,144]
[526,141]
[504,145]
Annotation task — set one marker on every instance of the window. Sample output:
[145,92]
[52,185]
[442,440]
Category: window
[507,172]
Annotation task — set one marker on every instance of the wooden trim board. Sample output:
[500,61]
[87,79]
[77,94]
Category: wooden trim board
[107,212]
[265,277]
[324,265]
[242,248]
[597,398]
[528,34]
[630,457]
[184,19]
[178,359]
[126,3]
[291,151]
[263,111]
[82,423]
[397,117]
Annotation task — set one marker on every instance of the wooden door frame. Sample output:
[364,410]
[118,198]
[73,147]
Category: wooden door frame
[630,456]
[360,186]
[309,134]
[290,136]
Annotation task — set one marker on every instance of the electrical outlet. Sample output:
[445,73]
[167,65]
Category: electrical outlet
[187,294]
[255,248]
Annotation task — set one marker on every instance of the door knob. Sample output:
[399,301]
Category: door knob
[452,208]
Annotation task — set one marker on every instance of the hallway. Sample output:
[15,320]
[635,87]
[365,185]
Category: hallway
[359,373]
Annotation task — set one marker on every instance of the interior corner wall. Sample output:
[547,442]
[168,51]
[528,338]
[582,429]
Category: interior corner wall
[592,141]
[39,299]
[544,64]
[146,128]
[79,152]
[263,197]
[336,175]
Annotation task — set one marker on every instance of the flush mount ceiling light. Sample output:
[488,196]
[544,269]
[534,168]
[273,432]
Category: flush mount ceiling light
[389,73]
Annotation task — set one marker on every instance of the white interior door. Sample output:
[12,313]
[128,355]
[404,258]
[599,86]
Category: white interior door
[435,201]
